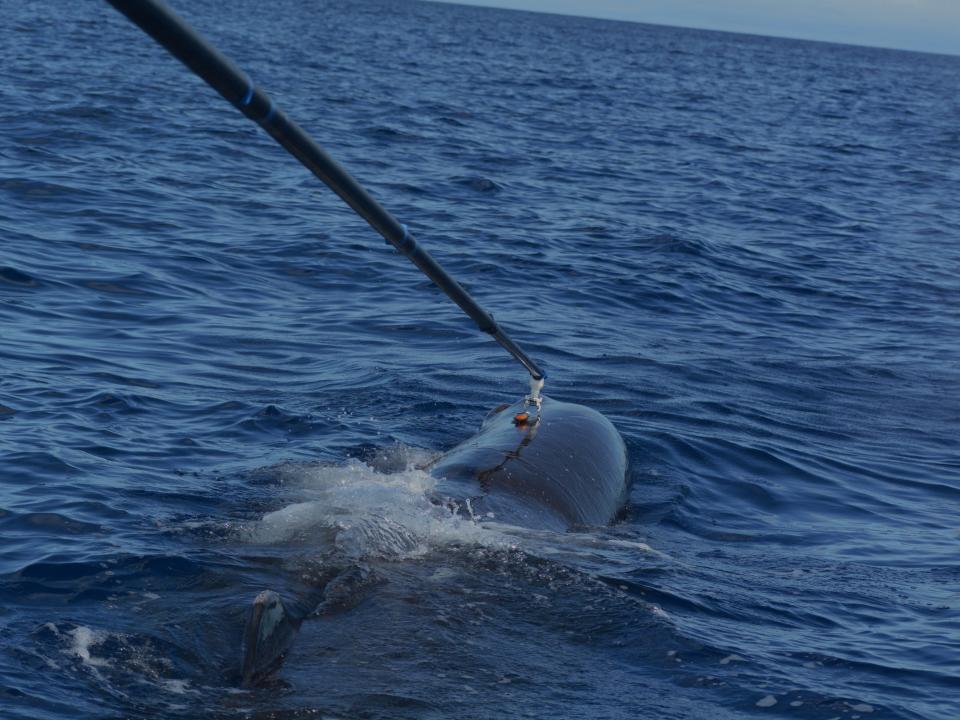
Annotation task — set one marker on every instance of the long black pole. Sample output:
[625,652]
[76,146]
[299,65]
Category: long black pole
[181,41]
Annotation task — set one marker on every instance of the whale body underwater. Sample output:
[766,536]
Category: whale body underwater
[562,467]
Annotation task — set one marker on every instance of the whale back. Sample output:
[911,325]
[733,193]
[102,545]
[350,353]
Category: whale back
[568,469]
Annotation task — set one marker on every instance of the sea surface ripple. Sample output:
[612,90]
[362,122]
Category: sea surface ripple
[215,379]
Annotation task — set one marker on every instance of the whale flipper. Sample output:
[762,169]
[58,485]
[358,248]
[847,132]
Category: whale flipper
[272,624]
[269,633]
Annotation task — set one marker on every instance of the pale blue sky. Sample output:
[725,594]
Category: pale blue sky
[928,25]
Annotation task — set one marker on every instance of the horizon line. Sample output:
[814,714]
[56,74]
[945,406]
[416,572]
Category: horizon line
[941,53]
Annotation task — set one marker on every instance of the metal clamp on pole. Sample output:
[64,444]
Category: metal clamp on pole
[534,397]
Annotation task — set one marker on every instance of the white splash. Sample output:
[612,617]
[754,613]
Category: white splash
[364,513]
[383,510]
[83,639]
[178,687]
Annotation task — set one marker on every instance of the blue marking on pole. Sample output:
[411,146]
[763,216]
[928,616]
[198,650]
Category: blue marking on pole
[407,243]
[270,112]
[249,96]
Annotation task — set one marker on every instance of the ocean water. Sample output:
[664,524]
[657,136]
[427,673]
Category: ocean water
[215,379]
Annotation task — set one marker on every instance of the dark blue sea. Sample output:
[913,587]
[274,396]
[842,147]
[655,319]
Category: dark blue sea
[216,379]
